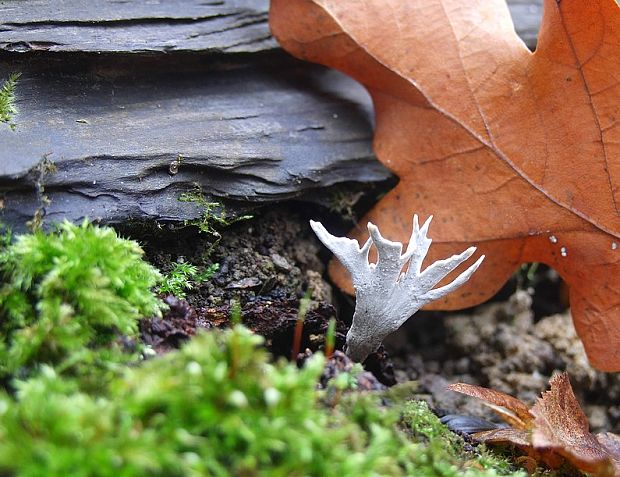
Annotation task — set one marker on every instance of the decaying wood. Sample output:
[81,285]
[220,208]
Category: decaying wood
[128,146]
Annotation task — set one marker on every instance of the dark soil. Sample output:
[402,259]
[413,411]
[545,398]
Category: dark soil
[273,255]
[273,319]
[500,345]
[267,264]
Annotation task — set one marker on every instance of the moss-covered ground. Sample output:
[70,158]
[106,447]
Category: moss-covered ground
[82,396]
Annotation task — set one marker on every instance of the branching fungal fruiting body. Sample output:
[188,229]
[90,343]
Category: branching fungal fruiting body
[386,296]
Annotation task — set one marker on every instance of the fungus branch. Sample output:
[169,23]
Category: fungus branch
[386,294]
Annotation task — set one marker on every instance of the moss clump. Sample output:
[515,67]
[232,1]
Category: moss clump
[234,413]
[184,276]
[216,407]
[67,296]
[7,99]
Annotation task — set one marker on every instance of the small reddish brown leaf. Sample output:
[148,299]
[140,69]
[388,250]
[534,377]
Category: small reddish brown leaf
[510,409]
[557,429]
[522,440]
[516,437]
[515,152]
[561,425]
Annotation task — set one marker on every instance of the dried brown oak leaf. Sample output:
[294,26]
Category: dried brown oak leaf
[513,151]
[555,428]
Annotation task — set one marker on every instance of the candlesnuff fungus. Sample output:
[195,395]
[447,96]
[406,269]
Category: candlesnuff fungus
[385,295]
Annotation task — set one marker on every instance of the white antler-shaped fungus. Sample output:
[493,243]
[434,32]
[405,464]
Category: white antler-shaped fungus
[386,296]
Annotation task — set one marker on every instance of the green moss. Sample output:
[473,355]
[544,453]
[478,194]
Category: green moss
[343,202]
[6,236]
[445,454]
[213,216]
[67,296]
[7,99]
[184,276]
[219,406]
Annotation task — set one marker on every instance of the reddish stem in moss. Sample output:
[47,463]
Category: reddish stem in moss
[304,304]
[299,327]
[330,338]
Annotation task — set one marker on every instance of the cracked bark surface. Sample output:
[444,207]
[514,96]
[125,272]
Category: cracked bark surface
[136,103]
